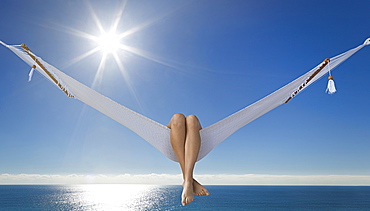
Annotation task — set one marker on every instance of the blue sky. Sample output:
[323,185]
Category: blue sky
[209,58]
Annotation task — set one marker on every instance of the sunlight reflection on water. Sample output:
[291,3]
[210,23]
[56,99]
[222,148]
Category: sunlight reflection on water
[116,197]
[152,197]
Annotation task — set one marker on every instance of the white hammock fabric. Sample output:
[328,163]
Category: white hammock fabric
[157,134]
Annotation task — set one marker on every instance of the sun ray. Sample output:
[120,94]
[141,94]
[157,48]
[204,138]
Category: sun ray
[118,16]
[80,33]
[126,77]
[81,57]
[99,73]
[70,30]
[146,24]
[151,57]
[136,29]
[95,17]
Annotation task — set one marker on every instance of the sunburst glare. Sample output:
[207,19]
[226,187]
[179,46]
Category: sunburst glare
[112,42]
[109,42]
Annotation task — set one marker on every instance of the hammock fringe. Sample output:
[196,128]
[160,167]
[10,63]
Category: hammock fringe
[324,63]
[52,76]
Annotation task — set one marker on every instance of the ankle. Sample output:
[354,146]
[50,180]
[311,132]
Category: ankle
[188,181]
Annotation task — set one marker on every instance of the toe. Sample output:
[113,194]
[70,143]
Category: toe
[186,202]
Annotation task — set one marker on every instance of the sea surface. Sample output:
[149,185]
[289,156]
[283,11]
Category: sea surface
[154,197]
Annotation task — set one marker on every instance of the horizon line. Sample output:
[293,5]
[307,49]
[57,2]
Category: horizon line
[176,179]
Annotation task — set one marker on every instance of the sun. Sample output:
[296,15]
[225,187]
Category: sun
[109,42]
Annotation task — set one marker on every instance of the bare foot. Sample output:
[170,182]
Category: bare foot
[199,190]
[187,193]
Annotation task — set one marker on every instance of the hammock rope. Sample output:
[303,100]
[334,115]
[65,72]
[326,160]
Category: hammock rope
[158,134]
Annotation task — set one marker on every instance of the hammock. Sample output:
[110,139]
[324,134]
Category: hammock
[157,134]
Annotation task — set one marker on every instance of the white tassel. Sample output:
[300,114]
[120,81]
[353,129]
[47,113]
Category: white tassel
[31,73]
[331,86]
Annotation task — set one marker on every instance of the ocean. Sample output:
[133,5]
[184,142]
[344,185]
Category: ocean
[156,197]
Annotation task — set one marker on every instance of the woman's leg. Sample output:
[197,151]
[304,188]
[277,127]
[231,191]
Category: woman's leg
[192,146]
[185,140]
[177,137]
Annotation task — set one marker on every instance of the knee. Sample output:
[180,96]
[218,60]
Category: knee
[193,122]
[177,120]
